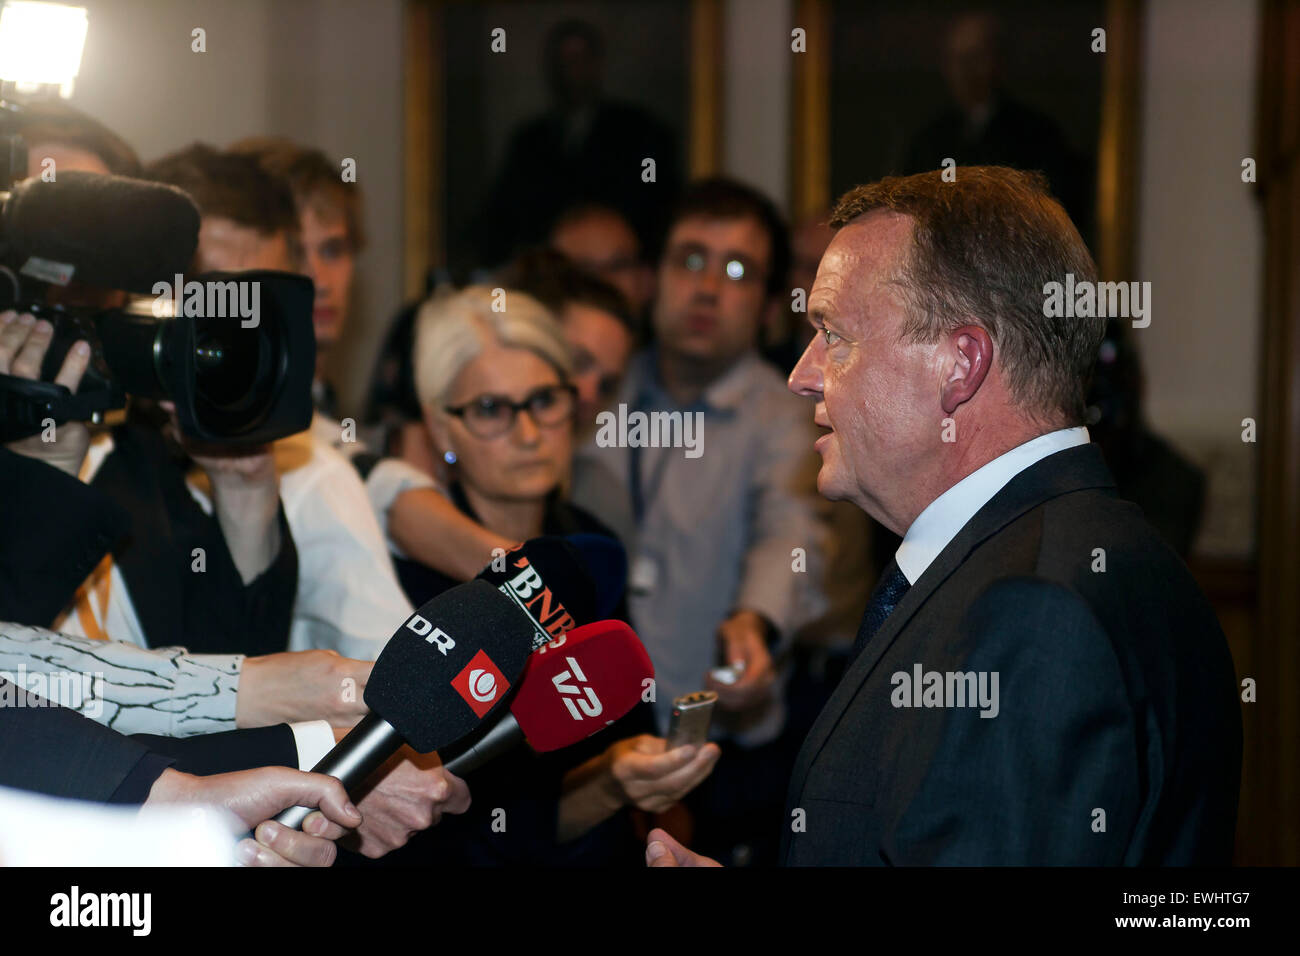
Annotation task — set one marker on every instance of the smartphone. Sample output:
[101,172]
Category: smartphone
[689,723]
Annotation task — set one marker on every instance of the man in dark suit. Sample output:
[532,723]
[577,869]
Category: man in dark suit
[1037,679]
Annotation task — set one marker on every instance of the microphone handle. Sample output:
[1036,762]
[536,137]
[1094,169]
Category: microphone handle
[352,760]
[504,735]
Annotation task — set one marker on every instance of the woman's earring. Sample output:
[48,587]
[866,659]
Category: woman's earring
[449,457]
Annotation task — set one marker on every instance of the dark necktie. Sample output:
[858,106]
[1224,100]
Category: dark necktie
[889,591]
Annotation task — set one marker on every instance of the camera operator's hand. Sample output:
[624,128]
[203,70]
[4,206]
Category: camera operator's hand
[245,497]
[246,501]
[23,343]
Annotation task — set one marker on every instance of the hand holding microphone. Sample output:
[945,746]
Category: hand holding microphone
[408,794]
[449,665]
[455,659]
[538,592]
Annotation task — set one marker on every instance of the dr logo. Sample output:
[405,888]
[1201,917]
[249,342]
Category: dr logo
[481,684]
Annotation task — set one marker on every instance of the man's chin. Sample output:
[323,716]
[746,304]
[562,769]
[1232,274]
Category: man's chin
[828,486]
[696,348]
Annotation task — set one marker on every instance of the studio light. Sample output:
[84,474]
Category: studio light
[41,44]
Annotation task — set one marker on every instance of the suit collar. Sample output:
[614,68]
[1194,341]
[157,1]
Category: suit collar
[944,517]
[1074,469]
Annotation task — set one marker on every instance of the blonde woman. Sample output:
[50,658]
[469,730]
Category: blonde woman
[493,373]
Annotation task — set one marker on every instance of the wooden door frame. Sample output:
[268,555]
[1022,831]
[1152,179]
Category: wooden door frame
[1273,722]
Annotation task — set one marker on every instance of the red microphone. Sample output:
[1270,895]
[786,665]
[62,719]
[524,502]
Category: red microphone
[573,687]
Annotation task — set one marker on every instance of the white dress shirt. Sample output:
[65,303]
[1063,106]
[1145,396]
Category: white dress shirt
[939,523]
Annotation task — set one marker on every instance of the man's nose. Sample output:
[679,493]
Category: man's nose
[316,274]
[707,284]
[806,377]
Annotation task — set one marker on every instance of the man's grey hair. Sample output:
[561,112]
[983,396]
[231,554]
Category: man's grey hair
[983,247]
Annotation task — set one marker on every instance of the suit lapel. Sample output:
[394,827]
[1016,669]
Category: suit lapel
[864,664]
[1073,469]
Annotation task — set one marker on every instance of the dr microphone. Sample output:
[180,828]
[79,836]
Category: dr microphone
[450,665]
[546,586]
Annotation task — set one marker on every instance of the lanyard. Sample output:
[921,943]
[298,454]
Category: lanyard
[643,495]
[641,501]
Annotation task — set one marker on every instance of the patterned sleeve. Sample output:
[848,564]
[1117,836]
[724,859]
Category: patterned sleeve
[133,690]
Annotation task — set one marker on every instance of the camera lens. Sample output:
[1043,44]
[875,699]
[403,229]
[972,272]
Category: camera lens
[235,375]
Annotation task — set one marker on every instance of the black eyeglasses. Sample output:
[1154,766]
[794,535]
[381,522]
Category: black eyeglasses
[696,259]
[489,416]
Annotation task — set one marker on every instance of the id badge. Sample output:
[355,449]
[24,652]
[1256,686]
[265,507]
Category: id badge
[643,576]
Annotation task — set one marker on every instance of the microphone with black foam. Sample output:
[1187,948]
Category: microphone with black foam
[443,673]
[606,561]
[107,231]
[549,578]
[570,689]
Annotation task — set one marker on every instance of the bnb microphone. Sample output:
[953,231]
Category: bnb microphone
[549,579]
[545,582]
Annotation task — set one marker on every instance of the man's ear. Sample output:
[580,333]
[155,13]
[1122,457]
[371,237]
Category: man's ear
[968,356]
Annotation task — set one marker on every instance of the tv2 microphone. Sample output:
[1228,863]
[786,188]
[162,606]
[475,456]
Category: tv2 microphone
[570,689]
[544,578]
[448,667]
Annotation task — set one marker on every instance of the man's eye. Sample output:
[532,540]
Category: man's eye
[831,337]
